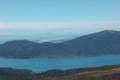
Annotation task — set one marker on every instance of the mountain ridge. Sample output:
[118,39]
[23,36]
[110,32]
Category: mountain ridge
[99,43]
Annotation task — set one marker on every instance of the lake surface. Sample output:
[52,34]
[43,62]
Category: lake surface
[40,64]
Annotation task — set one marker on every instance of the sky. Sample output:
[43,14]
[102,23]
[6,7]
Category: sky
[56,19]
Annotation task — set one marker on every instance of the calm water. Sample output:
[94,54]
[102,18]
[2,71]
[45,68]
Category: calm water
[48,64]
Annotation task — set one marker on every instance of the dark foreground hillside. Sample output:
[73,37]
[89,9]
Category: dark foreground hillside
[101,73]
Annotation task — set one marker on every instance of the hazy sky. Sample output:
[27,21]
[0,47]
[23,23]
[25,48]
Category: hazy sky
[50,19]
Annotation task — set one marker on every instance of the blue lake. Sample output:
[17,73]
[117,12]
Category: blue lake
[40,64]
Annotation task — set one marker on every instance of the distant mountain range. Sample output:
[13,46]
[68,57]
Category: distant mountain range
[99,43]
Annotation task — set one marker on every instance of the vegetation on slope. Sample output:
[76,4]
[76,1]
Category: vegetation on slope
[98,73]
[100,43]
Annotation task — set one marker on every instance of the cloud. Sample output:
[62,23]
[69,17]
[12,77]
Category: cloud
[48,31]
[56,28]
[62,25]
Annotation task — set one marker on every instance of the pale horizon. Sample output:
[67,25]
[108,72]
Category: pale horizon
[56,20]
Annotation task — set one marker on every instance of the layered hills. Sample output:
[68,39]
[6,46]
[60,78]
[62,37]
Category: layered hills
[105,42]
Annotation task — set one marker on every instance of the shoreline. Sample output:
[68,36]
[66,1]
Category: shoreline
[104,72]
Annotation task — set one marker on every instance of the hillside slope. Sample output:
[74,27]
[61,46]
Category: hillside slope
[100,43]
